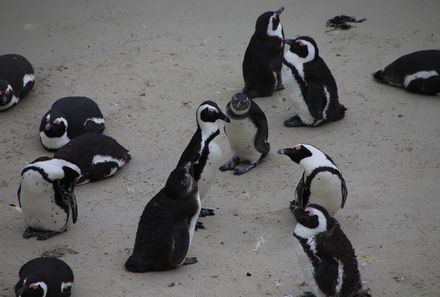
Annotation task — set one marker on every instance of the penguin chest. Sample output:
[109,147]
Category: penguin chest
[210,169]
[241,136]
[326,190]
[38,205]
[53,143]
[193,221]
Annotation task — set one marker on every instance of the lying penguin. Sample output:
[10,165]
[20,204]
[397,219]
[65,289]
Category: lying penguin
[67,118]
[44,277]
[16,79]
[167,225]
[247,133]
[418,72]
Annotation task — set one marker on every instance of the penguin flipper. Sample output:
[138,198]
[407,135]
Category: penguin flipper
[428,86]
[326,276]
[315,100]
[259,119]
[300,191]
[91,126]
[344,192]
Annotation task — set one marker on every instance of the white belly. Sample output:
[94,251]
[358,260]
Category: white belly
[241,135]
[38,204]
[215,158]
[192,225]
[326,190]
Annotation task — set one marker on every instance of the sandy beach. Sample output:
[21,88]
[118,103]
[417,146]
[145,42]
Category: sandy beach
[149,64]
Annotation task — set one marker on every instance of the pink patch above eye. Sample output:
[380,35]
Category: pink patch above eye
[33,286]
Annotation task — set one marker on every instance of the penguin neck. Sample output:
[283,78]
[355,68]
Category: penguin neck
[208,130]
[311,163]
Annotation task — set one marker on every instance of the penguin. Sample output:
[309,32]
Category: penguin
[310,85]
[335,267]
[167,225]
[46,197]
[98,156]
[417,72]
[44,277]
[262,60]
[322,181]
[67,118]
[17,78]
[247,133]
[204,149]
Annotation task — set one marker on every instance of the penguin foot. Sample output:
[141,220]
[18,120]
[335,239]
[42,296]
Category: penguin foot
[294,205]
[230,165]
[199,225]
[243,167]
[204,212]
[294,121]
[41,235]
[190,260]
[279,87]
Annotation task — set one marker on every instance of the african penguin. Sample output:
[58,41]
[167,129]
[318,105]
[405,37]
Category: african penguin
[247,134]
[98,156]
[322,181]
[418,72]
[167,224]
[16,79]
[310,85]
[46,196]
[203,149]
[44,277]
[335,267]
[67,118]
[262,60]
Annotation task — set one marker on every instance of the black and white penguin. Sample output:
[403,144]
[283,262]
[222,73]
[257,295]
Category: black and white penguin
[98,156]
[204,149]
[167,225]
[67,118]
[310,85]
[247,133]
[335,267]
[322,181]
[418,72]
[16,79]
[262,60]
[46,196]
[44,277]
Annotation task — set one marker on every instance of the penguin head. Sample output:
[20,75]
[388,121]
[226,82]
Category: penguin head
[297,153]
[210,112]
[303,48]
[269,25]
[312,220]
[6,92]
[55,126]
[240,104]
[308,156]
[181,182]
[32,287]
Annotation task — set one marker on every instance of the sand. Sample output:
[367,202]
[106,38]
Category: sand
[149,64]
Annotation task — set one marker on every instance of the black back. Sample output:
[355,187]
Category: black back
[12,69]
[76,110]
[52,271]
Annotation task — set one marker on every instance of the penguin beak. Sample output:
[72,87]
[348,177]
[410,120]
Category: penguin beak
[285,151]
[47,127]
[289,41]
[279,11]
[224,118]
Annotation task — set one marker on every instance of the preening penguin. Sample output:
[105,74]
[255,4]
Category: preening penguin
[310,85]
[46,196]
[203,149]
[16,79]
[98,156]
[262,60]
[67,118]
[44,277]
[167,225]
[322,181]
[335,267]
[418,72]
[247,133]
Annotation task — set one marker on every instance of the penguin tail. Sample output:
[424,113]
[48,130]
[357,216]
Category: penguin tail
[378,75]
[134,264]
[17,208]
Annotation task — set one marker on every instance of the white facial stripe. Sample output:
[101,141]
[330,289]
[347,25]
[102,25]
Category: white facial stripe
[420,74]
[14,100]
[278,32]
[43,286]
[305,232]
[317,159]
[95,120]
[54,167]
[48,118]
[311,51]
[28,78]
[66,286]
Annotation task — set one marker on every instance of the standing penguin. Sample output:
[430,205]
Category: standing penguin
[335,267]
[310,84]
[167,225]
[16,79]
[203,149]
[322,181]
[67,118]
[46,197]
[418,72]
[98,156]
[262,60]
[247,133]
[44,277]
